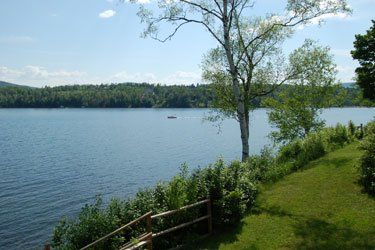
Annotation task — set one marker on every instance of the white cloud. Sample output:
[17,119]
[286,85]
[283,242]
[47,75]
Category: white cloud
[8,73]
[16,39]
[39,76]
[342,52]
[125,76]
[346,73]
[183,77]
[318,20]
[178,78]
[42,73]
[139,1]
[143,1]
[107,14]
[324,17]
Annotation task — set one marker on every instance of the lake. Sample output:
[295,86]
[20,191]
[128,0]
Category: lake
[53,161]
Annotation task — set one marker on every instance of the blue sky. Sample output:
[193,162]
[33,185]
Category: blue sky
[54,42]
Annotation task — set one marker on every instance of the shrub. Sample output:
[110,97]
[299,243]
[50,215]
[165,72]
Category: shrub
[92,223]
[232,187]
[340,135]
[351,128]
[259,165]
[290,152]
[367,161]
[298,153]
[360,133]
[313,148]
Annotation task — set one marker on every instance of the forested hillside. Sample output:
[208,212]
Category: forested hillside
[8,84]
[129,95]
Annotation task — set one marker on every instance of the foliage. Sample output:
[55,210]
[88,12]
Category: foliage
[298,153]
[364,52]
[233,188]
[131,95]
[260,165]
[351,128]
[248,56]
[295,111]
[367,161]
[127,95]
[92,223]
[318,208]
[230,186]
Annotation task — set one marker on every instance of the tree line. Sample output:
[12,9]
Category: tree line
[132,95]
[126,95]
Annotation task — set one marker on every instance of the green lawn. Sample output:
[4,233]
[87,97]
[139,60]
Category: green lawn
[320,207]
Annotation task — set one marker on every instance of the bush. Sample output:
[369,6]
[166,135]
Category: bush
[232,190]
[367,161]
[290,152]
[339,136]
[259,165]
[232,187]
[92,223]
[298,153]
[313,148]
[351,128]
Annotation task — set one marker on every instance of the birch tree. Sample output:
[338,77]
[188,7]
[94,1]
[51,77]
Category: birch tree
[226,22]
[295,110]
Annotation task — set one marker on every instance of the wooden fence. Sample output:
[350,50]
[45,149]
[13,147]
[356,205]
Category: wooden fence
[146,238]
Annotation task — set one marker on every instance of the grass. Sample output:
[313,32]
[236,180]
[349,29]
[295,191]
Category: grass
[319,207]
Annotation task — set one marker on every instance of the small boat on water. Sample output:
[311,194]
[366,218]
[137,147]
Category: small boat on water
[172,117]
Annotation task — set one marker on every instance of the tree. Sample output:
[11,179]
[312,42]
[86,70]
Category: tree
[225,21]
[295,110]
[364,52]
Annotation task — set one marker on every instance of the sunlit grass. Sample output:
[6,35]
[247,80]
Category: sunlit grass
[320,207]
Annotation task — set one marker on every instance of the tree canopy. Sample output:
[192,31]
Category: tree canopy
[364,52]
[248,52]
[295,110]
[127,95]
[133,95]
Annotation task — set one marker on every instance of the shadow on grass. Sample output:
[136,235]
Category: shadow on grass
[319,234]
[336,162]
[311,233]
[271,210]
[222,235]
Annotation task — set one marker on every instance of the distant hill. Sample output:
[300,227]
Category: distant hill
[348,85]
[8,84]
[132,95]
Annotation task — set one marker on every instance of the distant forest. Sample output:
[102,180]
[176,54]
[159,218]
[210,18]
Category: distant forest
[130,95]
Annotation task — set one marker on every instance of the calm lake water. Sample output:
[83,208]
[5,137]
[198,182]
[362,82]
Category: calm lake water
[53,161]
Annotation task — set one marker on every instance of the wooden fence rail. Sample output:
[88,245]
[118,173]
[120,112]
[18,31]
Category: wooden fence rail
[146,216]
[146,238]
[169,230]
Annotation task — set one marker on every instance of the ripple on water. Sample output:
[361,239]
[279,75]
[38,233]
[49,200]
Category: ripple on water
[53,161]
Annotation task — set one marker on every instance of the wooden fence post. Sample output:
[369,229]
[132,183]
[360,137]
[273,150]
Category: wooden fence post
[149,231]
[209,213]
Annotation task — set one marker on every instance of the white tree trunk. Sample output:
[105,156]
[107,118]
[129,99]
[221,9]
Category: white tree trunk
[241,113]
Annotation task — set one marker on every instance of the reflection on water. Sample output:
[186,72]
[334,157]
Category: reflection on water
[53,161]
